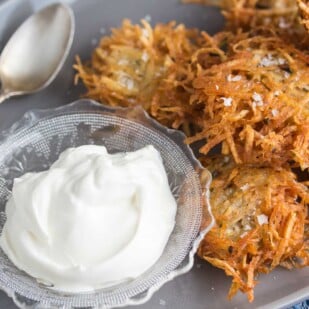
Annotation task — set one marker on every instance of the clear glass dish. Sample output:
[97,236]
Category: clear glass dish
[35,142]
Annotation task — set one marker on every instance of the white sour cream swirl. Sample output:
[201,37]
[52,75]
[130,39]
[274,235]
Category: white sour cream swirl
[92,220]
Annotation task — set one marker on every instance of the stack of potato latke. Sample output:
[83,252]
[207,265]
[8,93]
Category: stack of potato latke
[244,91]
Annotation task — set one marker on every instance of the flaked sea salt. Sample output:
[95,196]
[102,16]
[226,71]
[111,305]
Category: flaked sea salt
[262,219]
[270,60]
[286,74]
[257,99]
[247,227]
[227,101]
[281,61]
[231,78]
[283,24]
[147,18]
[245,187]
[145,57]
[275,112]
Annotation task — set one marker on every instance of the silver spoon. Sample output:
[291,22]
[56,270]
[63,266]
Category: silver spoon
[36,52]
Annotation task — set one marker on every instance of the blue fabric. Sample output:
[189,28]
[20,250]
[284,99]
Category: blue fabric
[303,305]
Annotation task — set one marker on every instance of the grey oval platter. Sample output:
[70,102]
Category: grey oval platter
[205,286]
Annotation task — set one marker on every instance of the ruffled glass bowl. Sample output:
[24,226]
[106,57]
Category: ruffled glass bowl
[36,141]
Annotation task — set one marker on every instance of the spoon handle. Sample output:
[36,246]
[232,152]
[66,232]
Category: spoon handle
[3,95]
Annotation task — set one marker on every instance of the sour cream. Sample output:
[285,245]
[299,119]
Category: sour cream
[92,220]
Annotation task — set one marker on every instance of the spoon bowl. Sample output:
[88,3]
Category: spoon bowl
[36,52]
